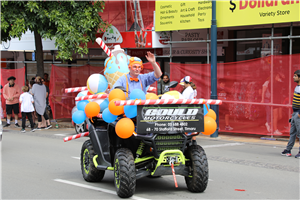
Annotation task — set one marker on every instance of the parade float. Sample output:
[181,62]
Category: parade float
[141,135]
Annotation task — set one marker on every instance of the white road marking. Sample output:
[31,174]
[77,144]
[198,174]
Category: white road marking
[76,157]
[95,188]
[222,145]
[60,134]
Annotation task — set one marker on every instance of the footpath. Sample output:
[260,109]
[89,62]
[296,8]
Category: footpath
[66,124]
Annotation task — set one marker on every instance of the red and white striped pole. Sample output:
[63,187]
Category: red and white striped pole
[73,137]
[103,46]
[95,96]
[167,101]
[75,89]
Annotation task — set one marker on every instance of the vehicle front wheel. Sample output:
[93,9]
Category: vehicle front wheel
[89,171]
[124,172]
[198,168]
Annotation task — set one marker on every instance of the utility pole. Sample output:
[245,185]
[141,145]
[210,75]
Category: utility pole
[213,47]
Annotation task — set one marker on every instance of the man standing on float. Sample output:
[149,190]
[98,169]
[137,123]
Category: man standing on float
[135,80]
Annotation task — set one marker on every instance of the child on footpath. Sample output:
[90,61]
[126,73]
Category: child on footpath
[26,101]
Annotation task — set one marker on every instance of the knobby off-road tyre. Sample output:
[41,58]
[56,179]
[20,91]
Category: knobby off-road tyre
[124,173]
[89,171]
[198,168]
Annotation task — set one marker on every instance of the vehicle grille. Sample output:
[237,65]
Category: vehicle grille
[169,142]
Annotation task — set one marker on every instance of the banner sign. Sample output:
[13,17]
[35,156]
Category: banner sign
[182,15]
[192,51]
[160,39]
[253,12]
[170,118]
[178,15]
[27,43]
[131,39]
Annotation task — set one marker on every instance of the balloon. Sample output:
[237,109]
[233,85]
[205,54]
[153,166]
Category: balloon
[78,116]
[80,94]
[167,96]
[115,110]
[107,116]
[211,113]
[104,104]
[206,108]
[137,94]
[174,93]
[116,94]
[96,83]
[151,96]
[130,111]
[74,109]
[124,128]
[92,109]
[210,126]
[81,104]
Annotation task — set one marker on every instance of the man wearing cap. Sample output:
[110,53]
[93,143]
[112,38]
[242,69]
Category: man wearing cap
[135,80]
[11,93]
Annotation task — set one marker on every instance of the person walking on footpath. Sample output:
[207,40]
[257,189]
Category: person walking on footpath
[295,120]
[26,101]
[11,93]
[39,93]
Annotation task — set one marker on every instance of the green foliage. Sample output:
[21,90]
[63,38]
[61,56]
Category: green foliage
[72,24]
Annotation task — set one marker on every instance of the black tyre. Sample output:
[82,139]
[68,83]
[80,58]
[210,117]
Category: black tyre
[89,171]
[124,172]
[198,167]
[80,128]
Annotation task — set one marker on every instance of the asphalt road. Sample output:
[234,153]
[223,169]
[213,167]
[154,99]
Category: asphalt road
[40,165]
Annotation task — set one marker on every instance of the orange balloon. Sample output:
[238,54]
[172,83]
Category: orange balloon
[124,128]
[92,109]
[115,110]
[116,94]
[151,96]
[210,126]
[211,113]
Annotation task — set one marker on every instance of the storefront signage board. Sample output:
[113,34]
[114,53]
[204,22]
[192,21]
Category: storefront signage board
[182,15]
[255,12]
[130,39]
[179,15]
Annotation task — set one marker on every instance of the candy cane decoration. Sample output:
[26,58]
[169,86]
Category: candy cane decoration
[99,115]
[103,46]
[75,89]
[151,89]
[73,137]
[95,96]
[168,101]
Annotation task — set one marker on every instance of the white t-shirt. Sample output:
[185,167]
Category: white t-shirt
[188,93]
[26,105]
[195,94]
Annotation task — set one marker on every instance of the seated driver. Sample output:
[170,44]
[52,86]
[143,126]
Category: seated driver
[135,80]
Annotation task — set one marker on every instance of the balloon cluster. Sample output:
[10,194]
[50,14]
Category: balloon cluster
[210,124]
[125,126]
[96,84]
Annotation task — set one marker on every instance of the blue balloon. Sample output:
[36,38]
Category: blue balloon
[137,94]
[78,117]
[108,117]
[206,108]
[83,93]
[130,111]
[81,104]
[104,105]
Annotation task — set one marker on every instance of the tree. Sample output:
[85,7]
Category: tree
[72,24]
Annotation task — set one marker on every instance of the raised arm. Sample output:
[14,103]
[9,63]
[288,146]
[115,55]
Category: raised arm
[151,58]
